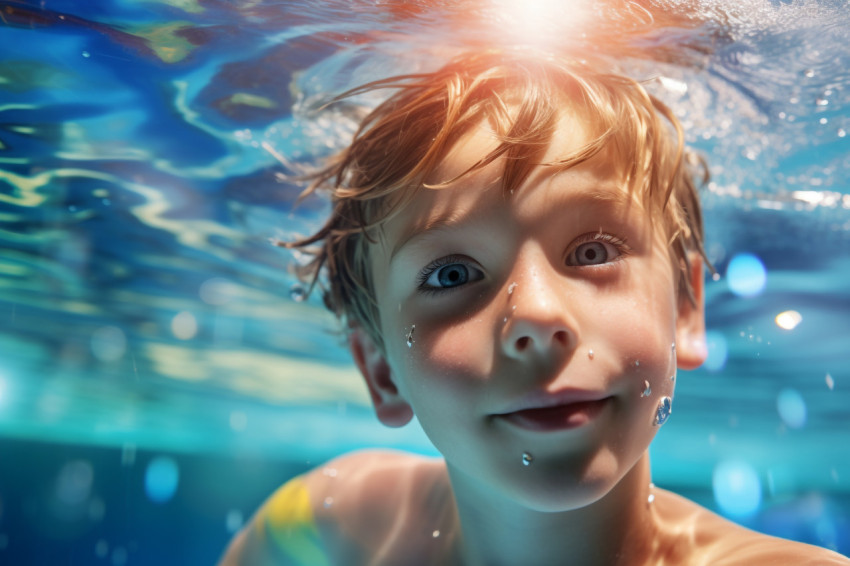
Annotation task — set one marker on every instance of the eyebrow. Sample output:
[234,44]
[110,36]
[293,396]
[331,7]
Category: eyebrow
[619,198]
[432,225]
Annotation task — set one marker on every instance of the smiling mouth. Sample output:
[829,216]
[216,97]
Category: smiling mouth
[559,417]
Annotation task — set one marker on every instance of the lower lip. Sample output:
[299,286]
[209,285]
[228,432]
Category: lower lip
[573,415]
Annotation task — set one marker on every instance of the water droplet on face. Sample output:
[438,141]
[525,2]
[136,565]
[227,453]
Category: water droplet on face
[297,293]
[329,472]
[328,502]
[590,354]
[673,377]
[637,363]
[511,288]
[409,337]
[527,459]
[651,498]
[673,347]
[647,390]
[830,382]
[662,413]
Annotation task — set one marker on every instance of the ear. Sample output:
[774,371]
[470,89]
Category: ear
[390,407]
[691,349]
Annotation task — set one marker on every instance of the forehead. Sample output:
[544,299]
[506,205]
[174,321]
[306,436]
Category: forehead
[461,194]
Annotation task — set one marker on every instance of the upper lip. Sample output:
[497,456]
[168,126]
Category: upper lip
[549,399]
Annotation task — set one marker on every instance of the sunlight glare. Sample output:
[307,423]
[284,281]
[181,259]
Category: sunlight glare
[541,21]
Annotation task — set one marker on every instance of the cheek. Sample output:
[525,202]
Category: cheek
[462,349]
[441,363]
[643,337]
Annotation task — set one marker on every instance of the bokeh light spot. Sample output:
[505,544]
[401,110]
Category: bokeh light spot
[101,548]
[161,479]
[746,275]
[184,326]
[108,343]
[737,489]
[234,520]
[74,482]
[791,407]
[718,351]
[788,320]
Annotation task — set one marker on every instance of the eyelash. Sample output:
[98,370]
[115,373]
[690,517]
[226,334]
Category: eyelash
[422,278]
[620,243]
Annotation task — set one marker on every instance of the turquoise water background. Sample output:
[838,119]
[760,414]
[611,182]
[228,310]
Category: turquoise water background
[160,370]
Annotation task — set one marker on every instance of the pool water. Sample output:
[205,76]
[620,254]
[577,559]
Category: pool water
[161,370]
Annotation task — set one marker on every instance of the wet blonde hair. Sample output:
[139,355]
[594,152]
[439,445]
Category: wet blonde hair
[403,140]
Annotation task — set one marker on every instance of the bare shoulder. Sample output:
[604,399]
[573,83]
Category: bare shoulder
[698,536]
[387,501]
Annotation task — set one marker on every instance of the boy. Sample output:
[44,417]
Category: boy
[516,250]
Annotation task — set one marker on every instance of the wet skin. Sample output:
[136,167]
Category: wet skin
[508,295]
[489,308]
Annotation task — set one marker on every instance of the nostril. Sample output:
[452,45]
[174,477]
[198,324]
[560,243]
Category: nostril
[561,337]
[522,343]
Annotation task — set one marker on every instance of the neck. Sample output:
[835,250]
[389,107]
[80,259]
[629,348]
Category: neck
[619,529]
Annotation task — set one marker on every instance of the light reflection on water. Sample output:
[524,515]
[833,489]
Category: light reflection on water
[143,306]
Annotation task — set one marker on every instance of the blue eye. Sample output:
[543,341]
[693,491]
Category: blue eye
[601,249]
[591,253]
[448,273]
[449,276]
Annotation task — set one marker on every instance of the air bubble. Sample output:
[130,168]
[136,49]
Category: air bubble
[86,54]
[409,337]
[647,390]
[809,73]
[527,459]
[830,382]
[822,102]
[297,293]
[841,132]
[662,413]
[511,288]
[435,534]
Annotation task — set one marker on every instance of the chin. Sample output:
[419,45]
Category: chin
[556,491]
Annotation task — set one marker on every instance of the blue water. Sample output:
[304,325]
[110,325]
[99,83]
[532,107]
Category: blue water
[159,375]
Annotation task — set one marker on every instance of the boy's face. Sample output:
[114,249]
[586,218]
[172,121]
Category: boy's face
[557,295]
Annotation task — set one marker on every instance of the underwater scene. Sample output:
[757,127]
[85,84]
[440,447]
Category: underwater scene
[162,370]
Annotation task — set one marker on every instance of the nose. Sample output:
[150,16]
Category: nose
[540,322]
